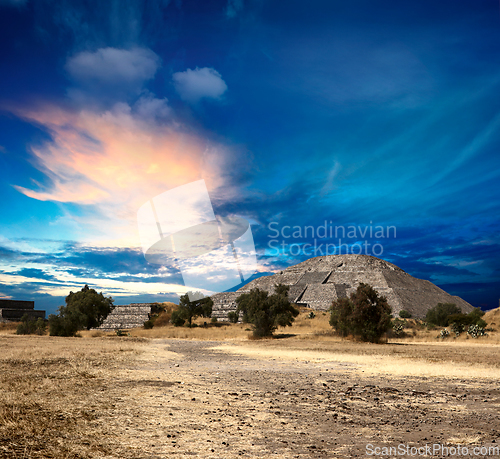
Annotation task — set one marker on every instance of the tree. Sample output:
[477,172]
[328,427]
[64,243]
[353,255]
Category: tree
[85,309]
[365,315]
[189,310]
[266,312]
[439,314]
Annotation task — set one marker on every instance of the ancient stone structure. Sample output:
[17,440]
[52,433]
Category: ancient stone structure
[13,310]
[317,282]
[127,316]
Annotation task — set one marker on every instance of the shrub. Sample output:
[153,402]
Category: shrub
[266,312]
[213,320]
[398,327]
[457,328]
[365,315]
[444,333]
[475,331]
[149,324]
[30,326]
[60,325]
[438,315]
[233,317]
[177,318]
[404,314]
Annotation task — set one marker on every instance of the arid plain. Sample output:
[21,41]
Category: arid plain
[213,393]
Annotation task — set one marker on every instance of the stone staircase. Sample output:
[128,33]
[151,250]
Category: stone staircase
[127,316]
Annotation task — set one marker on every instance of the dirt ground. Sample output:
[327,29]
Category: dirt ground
[119,397]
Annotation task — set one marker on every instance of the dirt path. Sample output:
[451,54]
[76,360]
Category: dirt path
[191,398]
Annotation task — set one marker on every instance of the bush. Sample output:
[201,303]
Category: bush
[404,314]
[439,314]
[177,318]
[149,324]
[60,325]
[233,317]
[30,326]
[444,333]
[213,320]
[365,315]
[457,328]
[475,331]
[398,327]
[311,315]
[266,312]
[84,309]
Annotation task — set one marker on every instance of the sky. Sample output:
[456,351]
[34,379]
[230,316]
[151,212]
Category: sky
[330,126]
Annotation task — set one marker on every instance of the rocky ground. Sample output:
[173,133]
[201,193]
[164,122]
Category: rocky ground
[112,397]
[215,404]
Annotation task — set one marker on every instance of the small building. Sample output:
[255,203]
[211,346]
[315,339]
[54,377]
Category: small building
[13,310]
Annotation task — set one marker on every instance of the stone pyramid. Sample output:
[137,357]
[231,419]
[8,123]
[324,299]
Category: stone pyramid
[127,316]
[317,282]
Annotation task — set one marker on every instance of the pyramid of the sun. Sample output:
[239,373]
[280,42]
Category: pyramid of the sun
[317,282]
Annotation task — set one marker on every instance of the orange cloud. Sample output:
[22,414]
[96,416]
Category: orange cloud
[115,160]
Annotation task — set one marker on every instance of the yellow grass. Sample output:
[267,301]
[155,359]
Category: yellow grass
[51,389]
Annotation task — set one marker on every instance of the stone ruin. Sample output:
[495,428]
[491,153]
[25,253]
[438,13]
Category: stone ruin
[127,316]
[317,282]
[14,310]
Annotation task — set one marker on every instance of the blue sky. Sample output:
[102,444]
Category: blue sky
[363,114]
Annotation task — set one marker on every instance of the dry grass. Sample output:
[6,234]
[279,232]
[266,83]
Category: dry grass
[8,326]
[164,316]
[51,391]
[315,329]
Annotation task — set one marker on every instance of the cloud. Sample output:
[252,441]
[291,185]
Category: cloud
[111,71]
[35,274]
[233,7]
[150,107]
[113,161]
[193,85]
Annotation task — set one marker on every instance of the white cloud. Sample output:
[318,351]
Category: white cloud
[193,85]
[150,107]
[112,70]
[233,8]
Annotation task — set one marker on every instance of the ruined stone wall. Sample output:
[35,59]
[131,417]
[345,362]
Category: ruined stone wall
[14,310]
[127,316]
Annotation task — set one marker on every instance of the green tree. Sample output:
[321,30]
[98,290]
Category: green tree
[266,312]
[365,315]
[189,310]
[85,309]
[439,314]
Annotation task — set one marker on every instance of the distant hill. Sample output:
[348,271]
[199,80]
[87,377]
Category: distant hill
[492,318]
